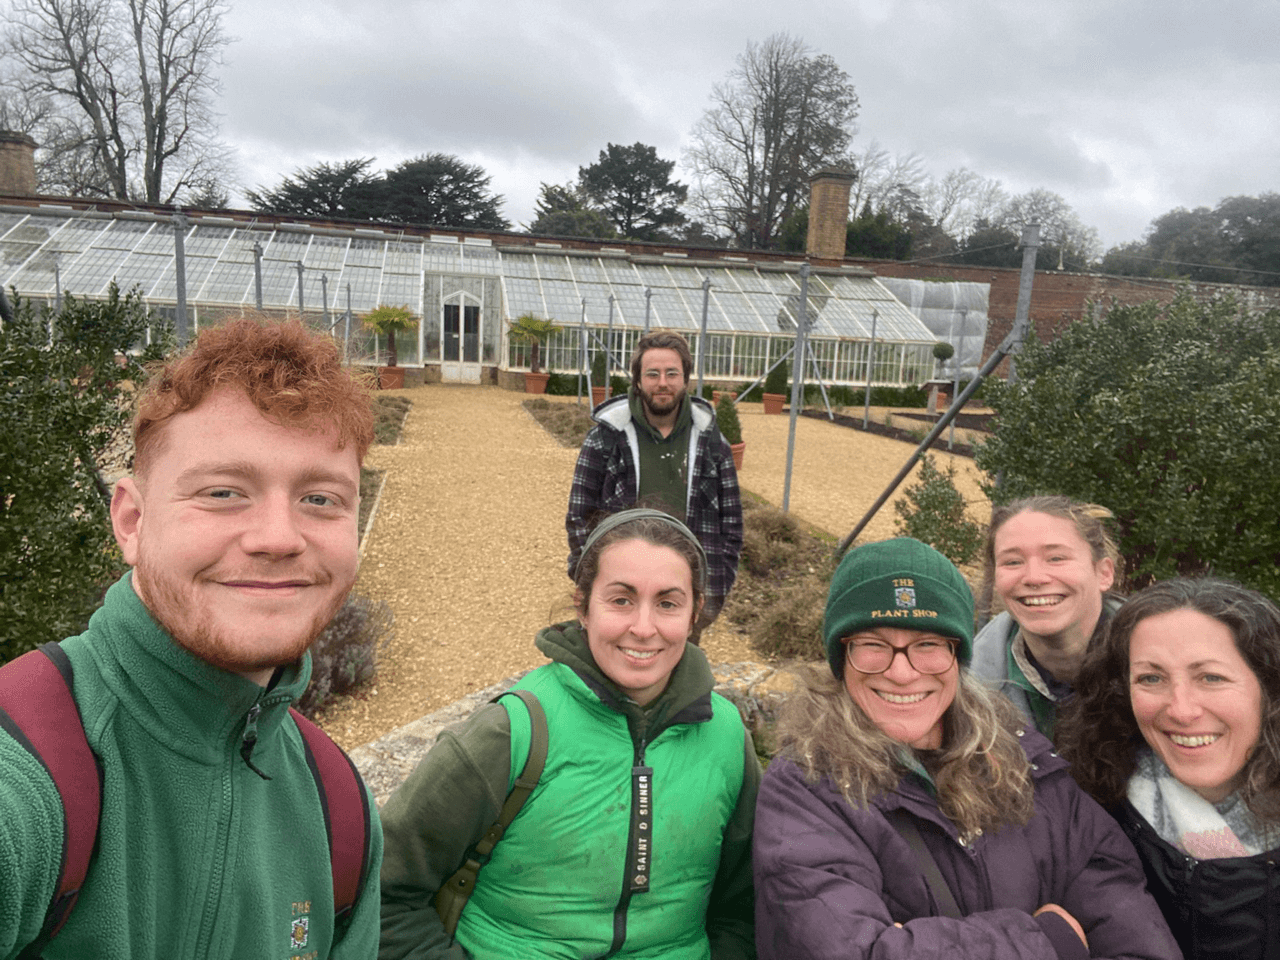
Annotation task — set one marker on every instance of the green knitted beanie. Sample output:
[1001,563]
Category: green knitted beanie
[897,583]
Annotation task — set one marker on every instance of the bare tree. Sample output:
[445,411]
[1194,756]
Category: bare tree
[133,84]
[782,113]
[1059,225]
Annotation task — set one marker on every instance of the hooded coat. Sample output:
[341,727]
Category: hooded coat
[832,880]
[556,885]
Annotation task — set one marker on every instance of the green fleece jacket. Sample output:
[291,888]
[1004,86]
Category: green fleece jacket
[456,792]
[198,856]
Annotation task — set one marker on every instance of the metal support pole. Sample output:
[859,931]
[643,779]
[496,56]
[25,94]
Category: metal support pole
[346,333]
[582,349]
[797,383]
[324,301]
[1022,318]
[180,277]
[57,288]
[648,296]
[702,335]
[301,307]
[871,355]
[257,274]
[608,352]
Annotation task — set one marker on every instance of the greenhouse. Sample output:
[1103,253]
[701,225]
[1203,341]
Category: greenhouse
[468,288]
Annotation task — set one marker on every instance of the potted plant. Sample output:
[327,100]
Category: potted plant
[534,331]
[731,427]
[775,389]
[599,379]
[388,319]
[942,352]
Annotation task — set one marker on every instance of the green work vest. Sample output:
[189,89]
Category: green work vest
[560,883]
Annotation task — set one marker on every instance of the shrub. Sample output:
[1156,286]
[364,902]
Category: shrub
[345,654]
[932,511]
[598,364]
[618,385]
[1166,415]
[66,412]
[727,419]
[776,381]
[562,384]
[791,626]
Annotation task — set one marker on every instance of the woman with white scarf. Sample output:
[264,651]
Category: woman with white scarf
[1176,730]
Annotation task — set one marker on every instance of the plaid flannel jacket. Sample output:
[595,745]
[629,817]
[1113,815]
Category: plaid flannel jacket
[605,481]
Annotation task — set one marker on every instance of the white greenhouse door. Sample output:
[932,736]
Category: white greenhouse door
[460,344]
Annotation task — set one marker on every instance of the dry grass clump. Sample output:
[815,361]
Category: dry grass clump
[388,418]
[569,423]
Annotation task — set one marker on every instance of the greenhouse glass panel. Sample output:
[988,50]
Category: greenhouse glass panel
[586,271]
[438,257]
[123,235]
[229,282]
[406,257]
[208,241]
[286,247]
[326,253]
[366,253]
[513,266]
[279,283]
[401,289]
[197,271]
[160,240]
[553,267]
[36,229]
[92,270]
[8,221]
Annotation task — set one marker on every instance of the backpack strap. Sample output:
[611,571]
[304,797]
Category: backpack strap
[456,891]
[38,709]
[345,803]
[905,824]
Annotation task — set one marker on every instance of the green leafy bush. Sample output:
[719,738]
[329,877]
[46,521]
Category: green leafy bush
[727,419]
[776,381]
[932,510]
[345,654]
[598,363]
[65,408]
[1168,417]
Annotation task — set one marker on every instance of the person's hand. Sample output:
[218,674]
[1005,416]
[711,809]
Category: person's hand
[1075,924]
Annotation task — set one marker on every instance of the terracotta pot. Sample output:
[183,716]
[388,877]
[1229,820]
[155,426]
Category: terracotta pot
[715,397]
[390,378]
[597,396]
[536,382]
[738,450]
[773,402]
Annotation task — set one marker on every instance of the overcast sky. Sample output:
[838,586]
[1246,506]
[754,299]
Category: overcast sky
[1127,108]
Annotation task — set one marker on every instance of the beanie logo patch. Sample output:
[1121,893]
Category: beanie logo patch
[905,597]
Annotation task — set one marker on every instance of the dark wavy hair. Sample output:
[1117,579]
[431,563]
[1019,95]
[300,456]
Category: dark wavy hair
[1097,731]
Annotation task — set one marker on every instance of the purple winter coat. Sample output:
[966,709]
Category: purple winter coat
[832,880]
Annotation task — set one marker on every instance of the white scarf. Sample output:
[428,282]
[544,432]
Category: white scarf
[1180,815]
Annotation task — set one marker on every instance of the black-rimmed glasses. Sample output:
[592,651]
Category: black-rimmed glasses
[929,656]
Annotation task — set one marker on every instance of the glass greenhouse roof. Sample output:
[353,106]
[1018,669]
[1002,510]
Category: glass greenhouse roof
[44,249]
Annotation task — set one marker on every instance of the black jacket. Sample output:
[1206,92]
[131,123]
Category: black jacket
[1228,908]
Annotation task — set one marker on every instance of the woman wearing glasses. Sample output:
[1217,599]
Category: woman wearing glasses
[910,812]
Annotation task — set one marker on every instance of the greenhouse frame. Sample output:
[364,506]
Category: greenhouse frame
[469,287]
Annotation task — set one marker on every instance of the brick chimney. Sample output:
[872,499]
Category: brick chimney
[17,164]
[828,212]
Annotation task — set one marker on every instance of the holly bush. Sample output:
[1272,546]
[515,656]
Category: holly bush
[1166,415]
[65,384]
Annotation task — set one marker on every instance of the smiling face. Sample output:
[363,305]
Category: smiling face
[1048,579]
[662,383]
[1196,701]
[638,616]
[905,704]
[241,533]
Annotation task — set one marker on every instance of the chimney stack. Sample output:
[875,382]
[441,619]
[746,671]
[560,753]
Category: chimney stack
[17,164]
[829,212]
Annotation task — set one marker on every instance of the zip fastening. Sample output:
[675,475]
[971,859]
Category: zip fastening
[641,829]
[249,738]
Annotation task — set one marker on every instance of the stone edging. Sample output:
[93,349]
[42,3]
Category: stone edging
[756,689]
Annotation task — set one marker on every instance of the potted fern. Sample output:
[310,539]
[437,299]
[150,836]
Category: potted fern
[731,427]
[775,388]
[534,331]
[389,320]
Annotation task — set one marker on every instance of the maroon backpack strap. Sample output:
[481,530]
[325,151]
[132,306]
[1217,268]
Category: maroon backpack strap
[38,710]
[346,813]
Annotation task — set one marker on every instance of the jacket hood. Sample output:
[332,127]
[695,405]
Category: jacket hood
[686,698]
[616,412]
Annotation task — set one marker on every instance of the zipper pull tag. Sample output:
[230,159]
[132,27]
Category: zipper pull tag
[640,856]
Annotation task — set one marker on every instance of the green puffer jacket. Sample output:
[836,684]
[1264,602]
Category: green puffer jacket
[559,884]
[197,855]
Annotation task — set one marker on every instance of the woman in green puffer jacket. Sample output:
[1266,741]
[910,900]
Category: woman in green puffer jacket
[636,842]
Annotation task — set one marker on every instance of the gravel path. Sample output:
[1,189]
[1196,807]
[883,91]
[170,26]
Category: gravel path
[468,545]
